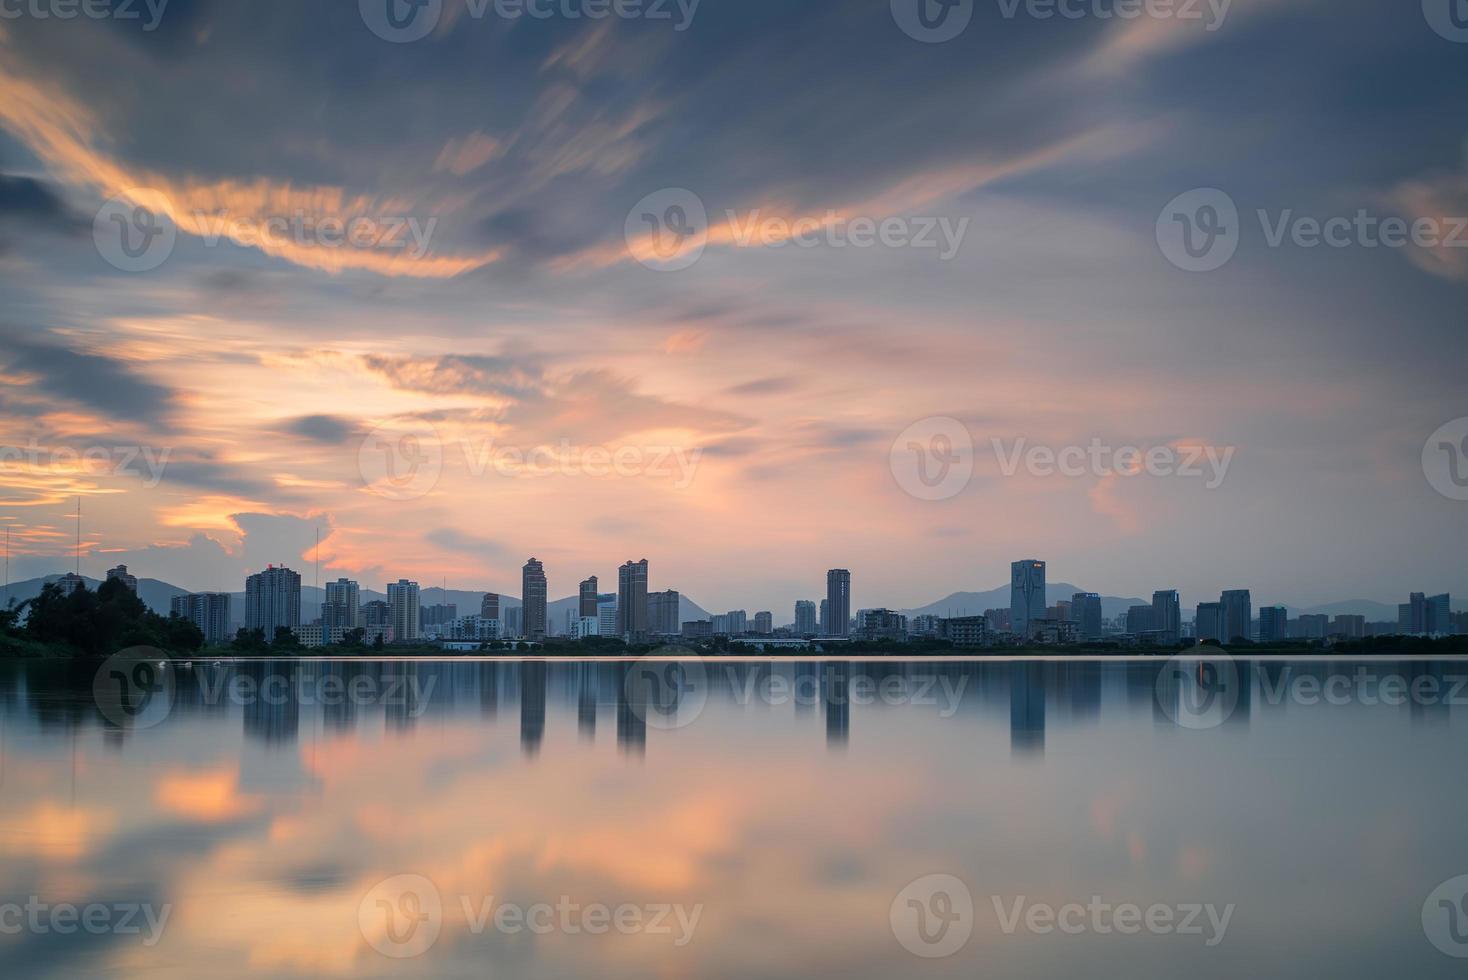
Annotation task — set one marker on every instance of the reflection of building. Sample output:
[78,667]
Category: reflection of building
[1238,615]
[120,574]
[532,602]
[805,618]
[837,617]
[402,599]
[273,600]
[1026,594]
[207,610]
[1026,707]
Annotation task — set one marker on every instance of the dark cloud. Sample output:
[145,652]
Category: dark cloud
[100,383]
[35,204]
[331,430]
[461,542]
[766,386]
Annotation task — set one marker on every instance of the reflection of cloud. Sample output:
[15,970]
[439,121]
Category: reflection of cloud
[208,797]
[55,833]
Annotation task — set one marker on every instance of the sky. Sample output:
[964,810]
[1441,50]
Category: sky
[735,290]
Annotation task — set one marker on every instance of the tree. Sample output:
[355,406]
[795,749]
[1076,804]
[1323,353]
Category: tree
[285,639]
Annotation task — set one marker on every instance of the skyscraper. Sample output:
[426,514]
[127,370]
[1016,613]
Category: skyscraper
[825,615]
[1438,615]
[120,573]
[343,605]
[1274,623]
[764,623]
[273,600]
[606,614]
[805,618]
[402,599]
[1238,615]
[1167,615]
[1209,623]
[532,601]
[489,606]
[662,613]
[1026,594]
[632,600]
[1085,609]
[587,604]
[838,602]
[207,610]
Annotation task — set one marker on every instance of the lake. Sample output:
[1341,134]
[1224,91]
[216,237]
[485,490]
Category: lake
[720,818]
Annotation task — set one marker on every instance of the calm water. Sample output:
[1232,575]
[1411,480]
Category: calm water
[722,819]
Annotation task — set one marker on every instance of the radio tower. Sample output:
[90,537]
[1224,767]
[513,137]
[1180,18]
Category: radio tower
[78,536]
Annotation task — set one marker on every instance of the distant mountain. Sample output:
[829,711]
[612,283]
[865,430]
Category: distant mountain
[974,603]
[1375,612]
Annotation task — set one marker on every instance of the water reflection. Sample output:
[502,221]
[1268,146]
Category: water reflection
[793,799]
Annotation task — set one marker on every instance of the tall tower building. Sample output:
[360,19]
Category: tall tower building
[1238,615]
[632,600]
[662,613]
[207,610]
[1167,615]
[838,602]
[805,618]
[489,606]
[587,604]
[606,614]
[343,605]
[273,600]
[1274,623]
[1209,622]
[1085,609]
[532,601]
[1026,594]
[402,599]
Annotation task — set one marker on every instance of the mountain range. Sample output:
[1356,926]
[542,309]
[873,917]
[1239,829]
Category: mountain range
[158,596]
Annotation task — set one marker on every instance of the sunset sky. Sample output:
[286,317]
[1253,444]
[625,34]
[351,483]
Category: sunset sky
[269,371]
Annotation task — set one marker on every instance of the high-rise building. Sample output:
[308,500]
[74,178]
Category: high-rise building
[343,604]
[273,600]
[1167,615]
[1026,594]
[1351,627]
[1209,624]
[1238,615]
[1274,623]
[1438,615]
[532,601]
[489,606]
[402,600]
[120,573]
[376,615]
[1085,610]
[513,622]
[438,614]
[207,610]
[764,623]
[1311,627]
[825,615]
[738,621]
[662,613]
[838,603]
[606,614]
[1139,620]
[805,618]
[632,600]
[586,605]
